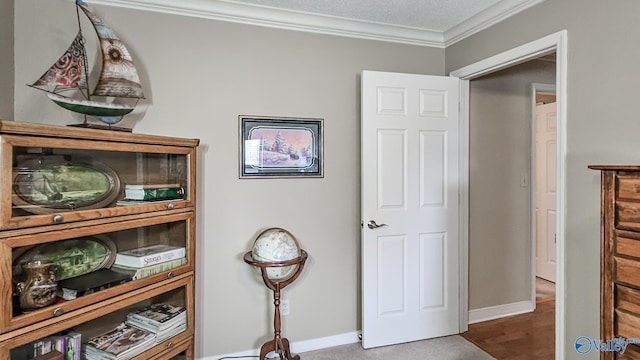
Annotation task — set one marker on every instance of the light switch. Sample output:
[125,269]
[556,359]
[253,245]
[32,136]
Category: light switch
[524,179]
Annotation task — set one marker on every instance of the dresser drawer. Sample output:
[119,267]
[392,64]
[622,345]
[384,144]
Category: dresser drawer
[627,243]
[627,215]
[628,187]
[631,353]
[627,271]
[628,201]
[627,324]
[627,299]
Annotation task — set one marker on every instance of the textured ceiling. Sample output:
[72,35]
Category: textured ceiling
[437,23]
[435,15]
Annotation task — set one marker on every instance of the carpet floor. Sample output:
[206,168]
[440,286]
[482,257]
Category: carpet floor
[445,348]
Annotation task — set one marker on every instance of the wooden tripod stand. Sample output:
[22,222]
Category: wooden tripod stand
[278,344]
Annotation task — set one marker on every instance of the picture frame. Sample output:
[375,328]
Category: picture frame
[50,184]
[277,147]
[72,257]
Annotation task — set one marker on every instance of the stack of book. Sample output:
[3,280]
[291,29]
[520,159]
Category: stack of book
[60,346]
[163,320]
[122,342]
[151,192]
[149,255]
[136,273]
[50,348]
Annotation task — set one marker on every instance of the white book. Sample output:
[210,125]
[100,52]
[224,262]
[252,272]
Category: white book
[149,255]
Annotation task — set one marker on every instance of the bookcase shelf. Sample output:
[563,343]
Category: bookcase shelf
[63,213]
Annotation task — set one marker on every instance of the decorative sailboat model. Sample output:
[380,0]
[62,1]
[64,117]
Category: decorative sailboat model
[118,78]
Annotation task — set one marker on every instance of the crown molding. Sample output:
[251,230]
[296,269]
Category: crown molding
[486,18]
[244,13]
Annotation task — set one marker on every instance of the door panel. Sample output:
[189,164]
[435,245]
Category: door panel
[432,289]
[391,171]
[392,264]
[432,175]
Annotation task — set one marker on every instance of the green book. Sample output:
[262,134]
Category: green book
[154,194]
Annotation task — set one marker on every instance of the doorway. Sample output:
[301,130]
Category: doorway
[557,43]
[504,195]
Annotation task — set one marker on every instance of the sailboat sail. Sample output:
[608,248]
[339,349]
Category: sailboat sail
[118,78]
[67,72]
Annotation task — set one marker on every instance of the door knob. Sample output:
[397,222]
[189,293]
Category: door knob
[372,225]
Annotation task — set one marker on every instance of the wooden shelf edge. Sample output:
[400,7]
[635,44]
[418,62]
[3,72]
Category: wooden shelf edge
[26,128]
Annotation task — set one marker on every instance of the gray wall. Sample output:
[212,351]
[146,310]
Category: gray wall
[198,76]
[499,208]
[602,123]
[6,59]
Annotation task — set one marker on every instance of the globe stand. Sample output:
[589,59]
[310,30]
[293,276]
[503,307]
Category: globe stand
[279,344]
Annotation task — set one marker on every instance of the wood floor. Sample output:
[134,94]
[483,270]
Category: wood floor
[519,337]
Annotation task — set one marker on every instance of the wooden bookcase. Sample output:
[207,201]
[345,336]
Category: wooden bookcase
[61,192]
[620,257]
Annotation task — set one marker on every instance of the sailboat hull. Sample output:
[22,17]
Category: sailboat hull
[92,108]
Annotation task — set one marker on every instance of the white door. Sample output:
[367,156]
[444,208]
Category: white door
[410,274]
[546,191]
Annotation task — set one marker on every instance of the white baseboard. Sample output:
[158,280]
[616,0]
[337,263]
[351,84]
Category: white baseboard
[499,311]
[477,315]
[325,342]
[302,346]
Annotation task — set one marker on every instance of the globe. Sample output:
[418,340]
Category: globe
[276,245]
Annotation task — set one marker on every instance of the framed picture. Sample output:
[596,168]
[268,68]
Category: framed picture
[49,184]
[73,257]
[280,147]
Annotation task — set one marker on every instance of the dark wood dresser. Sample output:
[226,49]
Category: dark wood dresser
[620,257]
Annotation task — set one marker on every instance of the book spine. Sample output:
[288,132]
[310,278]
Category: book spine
[151,186]
[154,194]
[150,259]
[73,343]
[143,272]
[158,268]
[37,348]
[60,344]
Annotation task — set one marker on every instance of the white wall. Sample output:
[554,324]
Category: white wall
[198,76]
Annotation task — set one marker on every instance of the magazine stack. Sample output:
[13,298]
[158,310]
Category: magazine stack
[122,342]
[163,320]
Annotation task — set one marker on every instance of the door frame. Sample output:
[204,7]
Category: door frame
[536,88]
[556,42]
